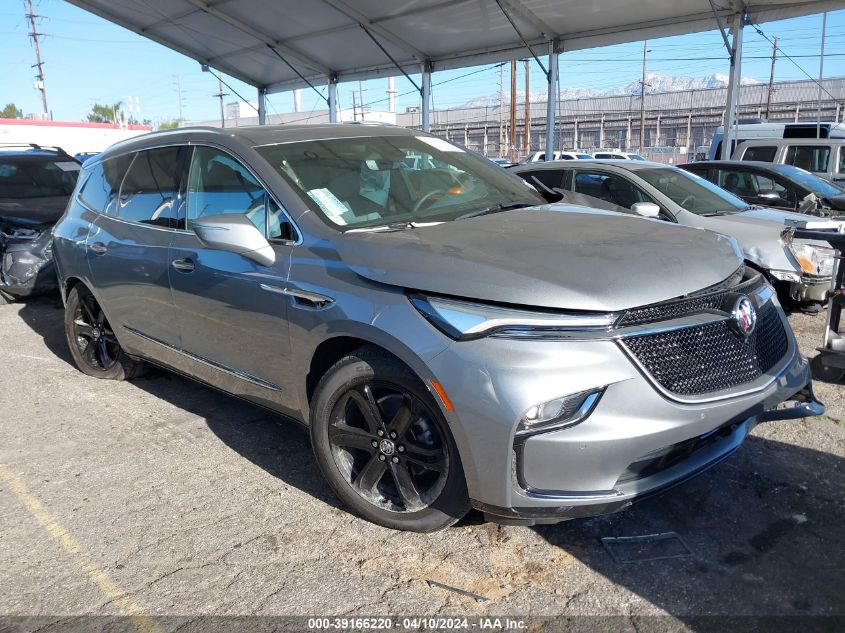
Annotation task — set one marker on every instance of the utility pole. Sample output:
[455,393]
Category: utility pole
[220,94]
[512,130]
[527,140]
[361,97]
[821,76]
[179,95]
[354,107]
[642,98]
[771,77]
[38,63]
[501,109]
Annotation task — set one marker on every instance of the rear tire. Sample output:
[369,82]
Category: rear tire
[383,445]
[93,344]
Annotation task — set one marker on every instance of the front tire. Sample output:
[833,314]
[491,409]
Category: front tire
[92,342]
[384,447]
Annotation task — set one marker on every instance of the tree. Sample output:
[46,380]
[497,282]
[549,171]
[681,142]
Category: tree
[104,113]
[169,125]
[11,111]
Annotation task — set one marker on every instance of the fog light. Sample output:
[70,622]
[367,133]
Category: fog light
[559,413]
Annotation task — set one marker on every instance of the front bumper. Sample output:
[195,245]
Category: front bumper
[615,455]
[26,266]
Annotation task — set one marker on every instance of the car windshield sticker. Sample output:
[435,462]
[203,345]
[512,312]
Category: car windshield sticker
[439,143]
[67,166]
[330,205]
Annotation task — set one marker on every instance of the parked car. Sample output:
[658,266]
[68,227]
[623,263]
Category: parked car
[35,186]
[83,156]
[774,185]
[615,155]
[448,348]
[801,270]
[762,129]
[558,155]
[822,157]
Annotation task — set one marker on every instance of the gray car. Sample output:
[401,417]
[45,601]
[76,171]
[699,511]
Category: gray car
[801,270]
[450,340]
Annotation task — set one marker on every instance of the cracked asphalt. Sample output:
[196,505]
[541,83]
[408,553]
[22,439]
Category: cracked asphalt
[166,497]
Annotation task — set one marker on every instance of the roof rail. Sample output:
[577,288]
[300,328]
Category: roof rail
[49,148]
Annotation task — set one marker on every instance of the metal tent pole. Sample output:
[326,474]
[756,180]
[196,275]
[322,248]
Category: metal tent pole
[734,82]
[551,99]
[333,99]
[426,96]
[262,106]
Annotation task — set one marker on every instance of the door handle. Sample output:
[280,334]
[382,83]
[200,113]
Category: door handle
[98,248]
[183,265]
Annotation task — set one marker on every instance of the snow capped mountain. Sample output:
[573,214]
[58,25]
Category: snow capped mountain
[657,82]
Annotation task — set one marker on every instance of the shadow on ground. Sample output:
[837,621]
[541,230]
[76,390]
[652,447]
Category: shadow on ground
[766,528]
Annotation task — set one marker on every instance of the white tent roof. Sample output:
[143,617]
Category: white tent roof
[345,37]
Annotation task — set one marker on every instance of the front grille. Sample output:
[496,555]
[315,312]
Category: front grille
[712,357]
[708,299]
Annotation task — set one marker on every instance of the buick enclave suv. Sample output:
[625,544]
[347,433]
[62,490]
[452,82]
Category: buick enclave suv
[450,339]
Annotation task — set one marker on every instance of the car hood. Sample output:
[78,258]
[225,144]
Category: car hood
[760,218]
[582,259]
[32,212]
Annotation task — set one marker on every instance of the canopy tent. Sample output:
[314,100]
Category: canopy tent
[278,45]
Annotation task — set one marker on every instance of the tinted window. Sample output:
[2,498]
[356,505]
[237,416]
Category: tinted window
[218,183]
[151,187]
[548,177]
[841,169]
[37,177]
[100,191]
[610,188]
[809,157]
[765,154]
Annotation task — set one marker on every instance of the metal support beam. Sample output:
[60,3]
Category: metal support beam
[262,106]
[332,99]
[734,81]
[551,99]
[426,96]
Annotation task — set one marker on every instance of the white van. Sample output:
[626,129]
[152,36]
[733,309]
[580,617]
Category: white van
[764,130]
[823,157]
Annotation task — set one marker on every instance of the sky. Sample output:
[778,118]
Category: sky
[88,60]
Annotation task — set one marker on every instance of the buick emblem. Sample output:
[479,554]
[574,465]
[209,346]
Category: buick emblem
[386,447]
[744,316]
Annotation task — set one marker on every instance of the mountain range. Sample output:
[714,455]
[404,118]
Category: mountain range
[657,82]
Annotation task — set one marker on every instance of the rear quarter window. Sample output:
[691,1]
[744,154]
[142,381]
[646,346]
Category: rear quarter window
[761,153]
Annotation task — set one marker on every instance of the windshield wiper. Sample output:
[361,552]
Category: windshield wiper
[505,206]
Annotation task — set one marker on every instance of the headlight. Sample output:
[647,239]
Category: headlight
[814,260]
[464,320]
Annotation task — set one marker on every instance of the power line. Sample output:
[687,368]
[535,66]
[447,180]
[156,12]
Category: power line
[796,64]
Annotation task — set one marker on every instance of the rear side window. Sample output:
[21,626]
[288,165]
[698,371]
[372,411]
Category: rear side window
[841,169]
[809,157]
[762,153]
[151,188]
[102,187]
[610,188]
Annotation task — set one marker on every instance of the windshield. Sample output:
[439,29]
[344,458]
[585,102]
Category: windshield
[810,181]
[691,192]
[379,180]
[37,177]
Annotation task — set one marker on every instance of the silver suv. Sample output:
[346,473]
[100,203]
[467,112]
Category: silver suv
[450,340]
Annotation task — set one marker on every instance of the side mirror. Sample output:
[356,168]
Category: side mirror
[768,195]
[234,233]
[646,209]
